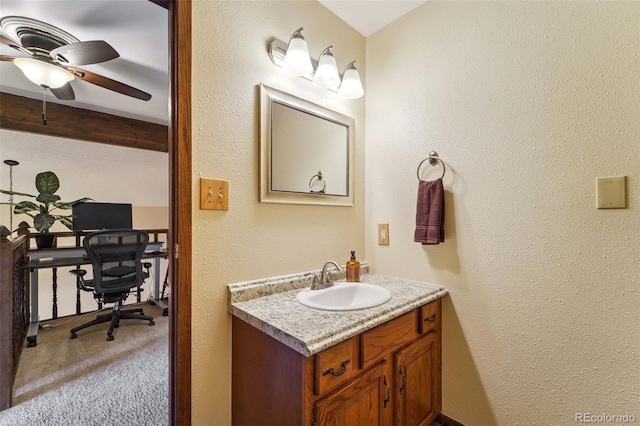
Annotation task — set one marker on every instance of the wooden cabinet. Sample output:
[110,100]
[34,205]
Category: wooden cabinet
[363,401]
[418,387]
[389,375]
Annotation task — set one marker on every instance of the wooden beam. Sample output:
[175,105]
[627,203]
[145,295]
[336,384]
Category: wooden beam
[25,115]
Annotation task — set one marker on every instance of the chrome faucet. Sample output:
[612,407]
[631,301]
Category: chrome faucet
[325,279]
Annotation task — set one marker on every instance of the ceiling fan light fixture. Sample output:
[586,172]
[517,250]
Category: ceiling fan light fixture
[43,73]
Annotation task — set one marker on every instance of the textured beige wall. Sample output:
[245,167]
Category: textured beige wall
[254,240]
[527,102]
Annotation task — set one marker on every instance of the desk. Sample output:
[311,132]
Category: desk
[74,256]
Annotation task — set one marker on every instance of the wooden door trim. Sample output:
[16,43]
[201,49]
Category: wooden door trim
[180,212]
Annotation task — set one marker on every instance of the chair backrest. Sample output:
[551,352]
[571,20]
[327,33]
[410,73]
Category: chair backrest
[116,259]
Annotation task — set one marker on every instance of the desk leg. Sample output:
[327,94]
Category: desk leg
[156,288]
[156,278]
[32,333]
[54,288]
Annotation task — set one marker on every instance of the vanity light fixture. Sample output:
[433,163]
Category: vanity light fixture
[297,60]
[324,72]
[351,86]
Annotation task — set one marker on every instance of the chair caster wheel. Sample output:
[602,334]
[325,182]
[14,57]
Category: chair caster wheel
[109,338]
[73,335]
[151,323]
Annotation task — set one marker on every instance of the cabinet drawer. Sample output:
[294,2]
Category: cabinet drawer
[430,316]
[335,365]
[377,343]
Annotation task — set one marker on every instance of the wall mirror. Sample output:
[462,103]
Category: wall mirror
[306,152]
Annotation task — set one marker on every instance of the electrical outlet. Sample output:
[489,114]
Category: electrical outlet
[383,234]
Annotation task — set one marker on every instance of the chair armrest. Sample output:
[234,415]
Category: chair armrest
[147,266]
[82,283]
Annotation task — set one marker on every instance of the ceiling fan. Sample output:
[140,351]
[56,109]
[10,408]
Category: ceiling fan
[52,57]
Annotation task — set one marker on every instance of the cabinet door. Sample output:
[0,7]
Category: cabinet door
[364,401]
[417,383]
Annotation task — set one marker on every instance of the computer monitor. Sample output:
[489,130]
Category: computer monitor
[95,216]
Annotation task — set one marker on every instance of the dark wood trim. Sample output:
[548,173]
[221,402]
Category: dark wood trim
[447,421]
[14,311]
[180,213]
[25,115]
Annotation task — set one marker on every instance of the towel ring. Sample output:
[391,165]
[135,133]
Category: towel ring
[317,179]
[433,160]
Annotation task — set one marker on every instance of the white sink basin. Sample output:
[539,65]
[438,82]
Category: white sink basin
[345,296]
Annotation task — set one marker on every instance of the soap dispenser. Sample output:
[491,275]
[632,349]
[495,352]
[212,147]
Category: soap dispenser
[353,268]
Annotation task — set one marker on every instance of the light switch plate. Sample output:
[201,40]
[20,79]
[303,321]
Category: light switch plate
[611,192]
[214,194]
[383,234]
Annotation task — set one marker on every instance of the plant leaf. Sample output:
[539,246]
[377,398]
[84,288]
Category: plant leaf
[25,206]
[47,182]
[66,221]
[42,222]
[68,204]
[48,198]
[4,191]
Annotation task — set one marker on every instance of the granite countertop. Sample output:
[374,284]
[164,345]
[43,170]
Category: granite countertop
[270,305]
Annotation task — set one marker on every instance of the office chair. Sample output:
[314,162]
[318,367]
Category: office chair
[117,269]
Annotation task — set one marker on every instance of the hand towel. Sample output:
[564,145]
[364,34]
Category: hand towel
[430,212]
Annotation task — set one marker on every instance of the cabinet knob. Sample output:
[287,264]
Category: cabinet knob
[340,372]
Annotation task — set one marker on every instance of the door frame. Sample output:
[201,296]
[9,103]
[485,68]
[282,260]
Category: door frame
[180,211]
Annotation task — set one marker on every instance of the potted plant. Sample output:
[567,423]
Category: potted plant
[47,184]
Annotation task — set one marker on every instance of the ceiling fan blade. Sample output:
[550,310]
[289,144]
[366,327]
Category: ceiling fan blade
[7,58]
[84,53]
[11,43]
[110,84]
[7,41]
[64,93]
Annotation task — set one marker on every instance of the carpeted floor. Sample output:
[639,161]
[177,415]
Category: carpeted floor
[89,381]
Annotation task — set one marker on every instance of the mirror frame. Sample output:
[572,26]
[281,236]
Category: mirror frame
[267,96]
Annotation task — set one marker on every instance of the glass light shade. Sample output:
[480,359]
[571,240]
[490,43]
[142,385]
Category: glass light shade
[326,75]
[297,60]
[351,87]
[43,73]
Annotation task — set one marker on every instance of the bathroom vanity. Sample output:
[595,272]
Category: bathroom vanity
[295,365]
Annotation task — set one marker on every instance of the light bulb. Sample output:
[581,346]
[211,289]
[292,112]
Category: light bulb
[351,87]
[297,60]
[326,75]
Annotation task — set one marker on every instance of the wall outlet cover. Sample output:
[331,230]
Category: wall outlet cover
[383,234]
[611,192]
